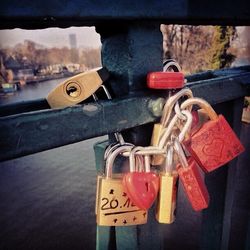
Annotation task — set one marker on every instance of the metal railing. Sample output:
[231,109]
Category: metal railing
[132,47]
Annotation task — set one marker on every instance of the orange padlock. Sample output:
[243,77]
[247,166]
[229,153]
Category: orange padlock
[191,180]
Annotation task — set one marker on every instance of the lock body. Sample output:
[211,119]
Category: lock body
[194,185]
[157,131]
[99,149]
[166,205]
[214,144]
[142,188]
[165,80]
[114,208]
[77,88]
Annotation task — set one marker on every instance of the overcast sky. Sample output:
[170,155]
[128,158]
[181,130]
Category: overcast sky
[51,37]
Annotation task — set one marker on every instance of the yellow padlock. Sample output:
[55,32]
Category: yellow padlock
[166,205]
[77,88]
[109,149]
[114,208]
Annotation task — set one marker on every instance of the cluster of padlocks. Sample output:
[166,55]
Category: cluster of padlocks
[184,144]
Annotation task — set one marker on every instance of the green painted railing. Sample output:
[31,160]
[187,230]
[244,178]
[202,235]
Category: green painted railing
[132,47]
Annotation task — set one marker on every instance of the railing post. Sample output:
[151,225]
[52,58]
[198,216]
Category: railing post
[217,219]
[129,51]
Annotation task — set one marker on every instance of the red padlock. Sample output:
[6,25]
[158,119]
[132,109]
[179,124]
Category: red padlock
[191,180]
[215,143]
[141,187]
[171,78]
[165,80]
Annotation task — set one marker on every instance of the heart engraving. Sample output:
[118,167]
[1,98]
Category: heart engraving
[142,188]
[214,149]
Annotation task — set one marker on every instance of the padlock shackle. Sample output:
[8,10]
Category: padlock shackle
[201,103]
[166,113]
[143,151]
[149,150]
[111,147]
[186,128]
[171,64]
[118,135]
[132,158]
[169,161]
[180,152]
[111,158]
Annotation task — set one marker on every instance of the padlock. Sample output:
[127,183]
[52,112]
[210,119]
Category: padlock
[166,202]
[114,206]
[103,150]
[77,88]
[165,80]
[141,187]
[191,179]
[159,128]
[170,79]
[215,143]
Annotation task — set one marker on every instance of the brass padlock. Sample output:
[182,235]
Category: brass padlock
[166,204]
[109,148]
[77,88]
[114,208]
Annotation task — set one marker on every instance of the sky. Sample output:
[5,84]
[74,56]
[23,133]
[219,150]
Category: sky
[51,37]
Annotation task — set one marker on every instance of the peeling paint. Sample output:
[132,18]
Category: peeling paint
[90,109]
[123,122]
[43,126]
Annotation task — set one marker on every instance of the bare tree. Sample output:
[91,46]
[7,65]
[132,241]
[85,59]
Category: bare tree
[190,45]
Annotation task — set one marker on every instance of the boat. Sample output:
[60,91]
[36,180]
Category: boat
[8,87]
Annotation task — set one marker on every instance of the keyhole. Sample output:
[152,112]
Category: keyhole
[146,184]
[73,90]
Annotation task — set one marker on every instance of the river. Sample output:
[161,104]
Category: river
[47,199]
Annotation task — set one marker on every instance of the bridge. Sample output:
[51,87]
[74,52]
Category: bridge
[132,47]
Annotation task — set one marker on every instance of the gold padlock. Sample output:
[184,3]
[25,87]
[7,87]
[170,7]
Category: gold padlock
[166,205]
[159,128]
[77,88]
[114,208]
[109,149]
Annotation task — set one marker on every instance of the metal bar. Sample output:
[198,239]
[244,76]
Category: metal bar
[240,200]
[129,52]
[23,107]
[41,130]
[216,222]
[42,14]
[228,76]
[33,132]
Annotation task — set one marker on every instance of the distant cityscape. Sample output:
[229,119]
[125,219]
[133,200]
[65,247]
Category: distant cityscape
[30,62]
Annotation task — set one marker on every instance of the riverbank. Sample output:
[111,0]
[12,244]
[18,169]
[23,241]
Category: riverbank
[44,78]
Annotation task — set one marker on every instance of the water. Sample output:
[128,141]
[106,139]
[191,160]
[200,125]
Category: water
[31,91]
[47,199]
